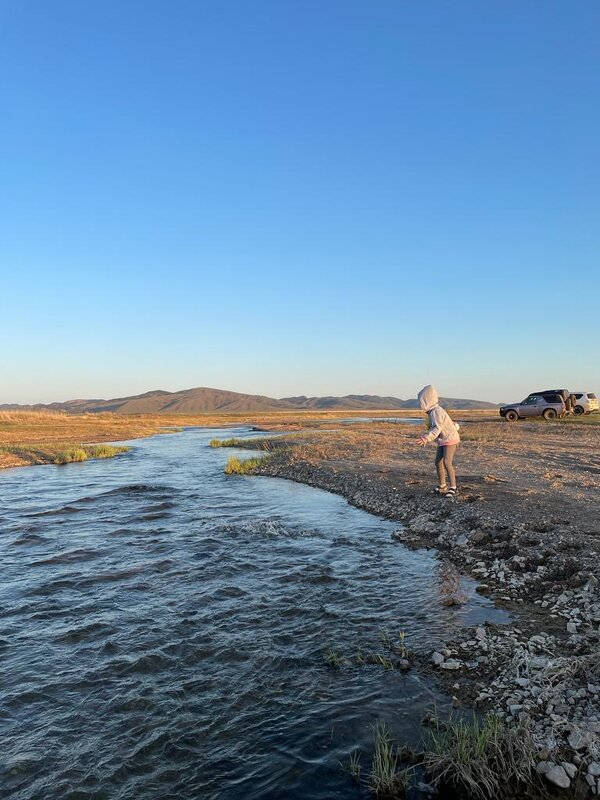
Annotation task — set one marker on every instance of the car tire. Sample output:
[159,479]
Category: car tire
[579,410]
[549,413]
[511,416]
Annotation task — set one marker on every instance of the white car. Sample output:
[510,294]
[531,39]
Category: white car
[585,402]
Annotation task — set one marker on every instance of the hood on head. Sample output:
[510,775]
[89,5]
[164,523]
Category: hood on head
[428,397]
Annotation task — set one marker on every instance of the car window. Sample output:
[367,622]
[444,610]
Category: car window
[592,396]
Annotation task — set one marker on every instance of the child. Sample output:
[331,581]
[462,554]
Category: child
[444,432]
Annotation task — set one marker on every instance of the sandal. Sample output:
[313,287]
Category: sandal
[452,492]
[441,489]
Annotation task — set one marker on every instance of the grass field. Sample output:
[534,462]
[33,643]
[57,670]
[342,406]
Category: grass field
[42,437]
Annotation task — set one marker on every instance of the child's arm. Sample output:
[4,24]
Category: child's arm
[436,417]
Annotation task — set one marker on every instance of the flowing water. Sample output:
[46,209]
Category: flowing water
[162,629]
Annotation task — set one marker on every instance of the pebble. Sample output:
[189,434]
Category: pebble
[579,739]
[437,659]
[594,769]
[557,775]
[570,769]
[451,664]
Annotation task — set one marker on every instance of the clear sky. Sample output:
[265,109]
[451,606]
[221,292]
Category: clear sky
[298,196]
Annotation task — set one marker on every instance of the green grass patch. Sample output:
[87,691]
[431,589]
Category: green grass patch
[244,467]
[85,452]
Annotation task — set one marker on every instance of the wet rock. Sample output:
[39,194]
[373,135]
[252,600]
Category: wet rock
[437,659]
[594,769]
[403,665]
[557,775]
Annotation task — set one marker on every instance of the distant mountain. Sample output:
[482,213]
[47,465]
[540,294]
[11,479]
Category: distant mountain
[203,400]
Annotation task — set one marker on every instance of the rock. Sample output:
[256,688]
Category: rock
[557,775]
[437,659]
[571,627]
[404,664]
[543,766]
[579,739]
[594,769]
[451,664]
[591,781]
[480,633]
[570,769]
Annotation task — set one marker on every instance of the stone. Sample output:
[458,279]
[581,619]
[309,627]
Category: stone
[543,766]
[591,781]
[480,633]
[570,769]
[557,775]
[404,664]
[571,627]
[594,769]
[437,659]
[451,664]
[579,739]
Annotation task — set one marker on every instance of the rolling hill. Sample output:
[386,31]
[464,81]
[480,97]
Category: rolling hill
[204,400]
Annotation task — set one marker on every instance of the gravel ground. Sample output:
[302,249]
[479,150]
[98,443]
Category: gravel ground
[526,526]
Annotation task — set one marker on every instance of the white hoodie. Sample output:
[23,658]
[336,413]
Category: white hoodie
[442,428]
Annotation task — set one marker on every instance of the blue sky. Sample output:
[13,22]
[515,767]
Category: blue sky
[298,197]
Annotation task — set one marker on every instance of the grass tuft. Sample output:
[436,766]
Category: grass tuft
[246,467]
[332,659]
[85,452]
[478,757]
[386,778]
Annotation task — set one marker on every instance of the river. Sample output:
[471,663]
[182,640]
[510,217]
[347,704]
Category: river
[163,628]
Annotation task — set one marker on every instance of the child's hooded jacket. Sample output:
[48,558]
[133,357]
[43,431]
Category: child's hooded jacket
[442,428]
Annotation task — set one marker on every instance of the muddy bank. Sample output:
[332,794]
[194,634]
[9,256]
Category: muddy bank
[524,530]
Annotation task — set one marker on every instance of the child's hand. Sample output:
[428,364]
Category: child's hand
[422,441]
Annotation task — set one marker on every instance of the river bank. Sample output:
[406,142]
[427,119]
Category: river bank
[525,524]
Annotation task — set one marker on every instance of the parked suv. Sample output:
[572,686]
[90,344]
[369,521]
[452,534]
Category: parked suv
[548,405]
[585,402]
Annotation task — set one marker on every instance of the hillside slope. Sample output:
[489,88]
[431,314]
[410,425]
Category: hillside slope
[202,400]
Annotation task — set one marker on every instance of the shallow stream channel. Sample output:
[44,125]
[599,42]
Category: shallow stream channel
[163,630]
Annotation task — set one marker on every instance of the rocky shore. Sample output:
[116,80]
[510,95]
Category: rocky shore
[534,553]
